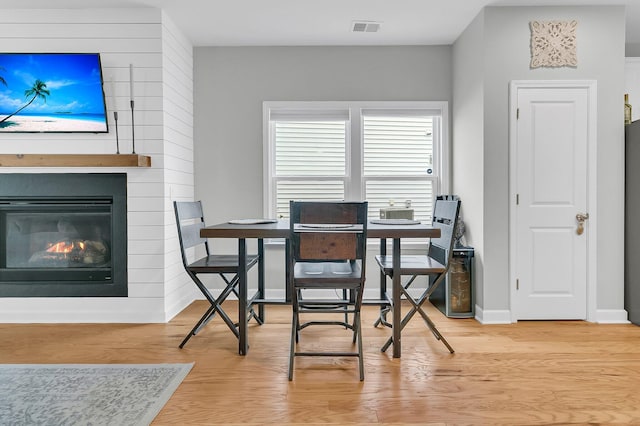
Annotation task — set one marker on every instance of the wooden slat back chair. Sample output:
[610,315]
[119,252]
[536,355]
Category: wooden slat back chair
[190,220]
[328,251]
[435,264]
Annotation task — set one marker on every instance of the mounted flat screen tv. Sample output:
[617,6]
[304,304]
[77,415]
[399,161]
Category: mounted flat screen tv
[52,92]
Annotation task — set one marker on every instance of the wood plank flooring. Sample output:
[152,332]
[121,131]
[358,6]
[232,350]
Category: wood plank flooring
[529,373]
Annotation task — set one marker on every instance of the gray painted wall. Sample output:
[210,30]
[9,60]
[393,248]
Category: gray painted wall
[506,56]
[467,141]
[632,50]
[233,82]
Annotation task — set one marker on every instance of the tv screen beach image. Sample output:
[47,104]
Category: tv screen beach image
[51,92]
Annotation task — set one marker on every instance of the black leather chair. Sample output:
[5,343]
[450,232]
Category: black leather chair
[189,220]
[434,264]
[328,252]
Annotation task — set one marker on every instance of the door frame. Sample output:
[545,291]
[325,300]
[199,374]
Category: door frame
[592,205]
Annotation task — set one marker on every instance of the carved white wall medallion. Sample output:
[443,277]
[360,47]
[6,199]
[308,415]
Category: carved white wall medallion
[553,44]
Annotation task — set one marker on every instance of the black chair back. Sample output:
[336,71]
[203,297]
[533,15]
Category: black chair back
[445,216]
[189,221]
[322,242]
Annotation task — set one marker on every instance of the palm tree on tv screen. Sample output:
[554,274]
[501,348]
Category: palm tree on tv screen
[2,80]
[38,90]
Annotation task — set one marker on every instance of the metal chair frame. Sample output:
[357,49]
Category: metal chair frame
[435,265]
[189,221]
[328,251]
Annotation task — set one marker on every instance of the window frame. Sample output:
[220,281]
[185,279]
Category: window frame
[355,180]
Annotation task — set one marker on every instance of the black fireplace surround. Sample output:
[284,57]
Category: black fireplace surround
[63,235]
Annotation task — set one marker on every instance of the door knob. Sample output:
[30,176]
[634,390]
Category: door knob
[581,217]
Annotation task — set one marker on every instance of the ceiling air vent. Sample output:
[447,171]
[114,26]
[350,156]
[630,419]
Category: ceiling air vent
[365,26]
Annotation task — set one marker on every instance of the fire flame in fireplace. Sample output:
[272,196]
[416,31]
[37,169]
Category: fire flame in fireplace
[66,246]
[71,252]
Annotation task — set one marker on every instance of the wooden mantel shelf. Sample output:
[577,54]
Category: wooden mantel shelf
[74,160]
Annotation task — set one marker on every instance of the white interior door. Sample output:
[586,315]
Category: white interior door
[550,184]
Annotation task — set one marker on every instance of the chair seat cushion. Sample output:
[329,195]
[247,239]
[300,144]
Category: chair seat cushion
[411,265]
[321,274]
[221,263]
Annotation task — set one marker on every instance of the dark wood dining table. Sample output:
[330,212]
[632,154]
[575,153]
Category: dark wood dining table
[280,229]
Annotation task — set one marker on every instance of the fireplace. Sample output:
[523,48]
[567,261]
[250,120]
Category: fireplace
[63,235]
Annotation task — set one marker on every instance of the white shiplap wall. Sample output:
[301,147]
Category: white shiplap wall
[177,77]
[163,91]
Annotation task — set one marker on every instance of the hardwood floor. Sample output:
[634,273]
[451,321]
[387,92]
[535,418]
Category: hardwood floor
[561,372]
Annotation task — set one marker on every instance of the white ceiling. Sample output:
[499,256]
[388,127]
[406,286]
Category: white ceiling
[323,22]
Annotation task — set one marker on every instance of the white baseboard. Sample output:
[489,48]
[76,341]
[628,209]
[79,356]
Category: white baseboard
[603,316]
[181,304]
[493,316]
[82,310]
[611,316]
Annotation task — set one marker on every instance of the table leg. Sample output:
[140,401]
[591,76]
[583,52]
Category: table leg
[383,277]
[397,299]
[242,296]
[261,263]
[384,309]
[287,271]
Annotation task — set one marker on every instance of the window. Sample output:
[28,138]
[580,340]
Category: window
[382,152]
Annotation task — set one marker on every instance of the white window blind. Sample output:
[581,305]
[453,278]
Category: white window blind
[310,160]
[398,161]
[379,152]
[310,148]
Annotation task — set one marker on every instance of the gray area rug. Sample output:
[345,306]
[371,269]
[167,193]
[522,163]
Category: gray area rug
[86,394]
